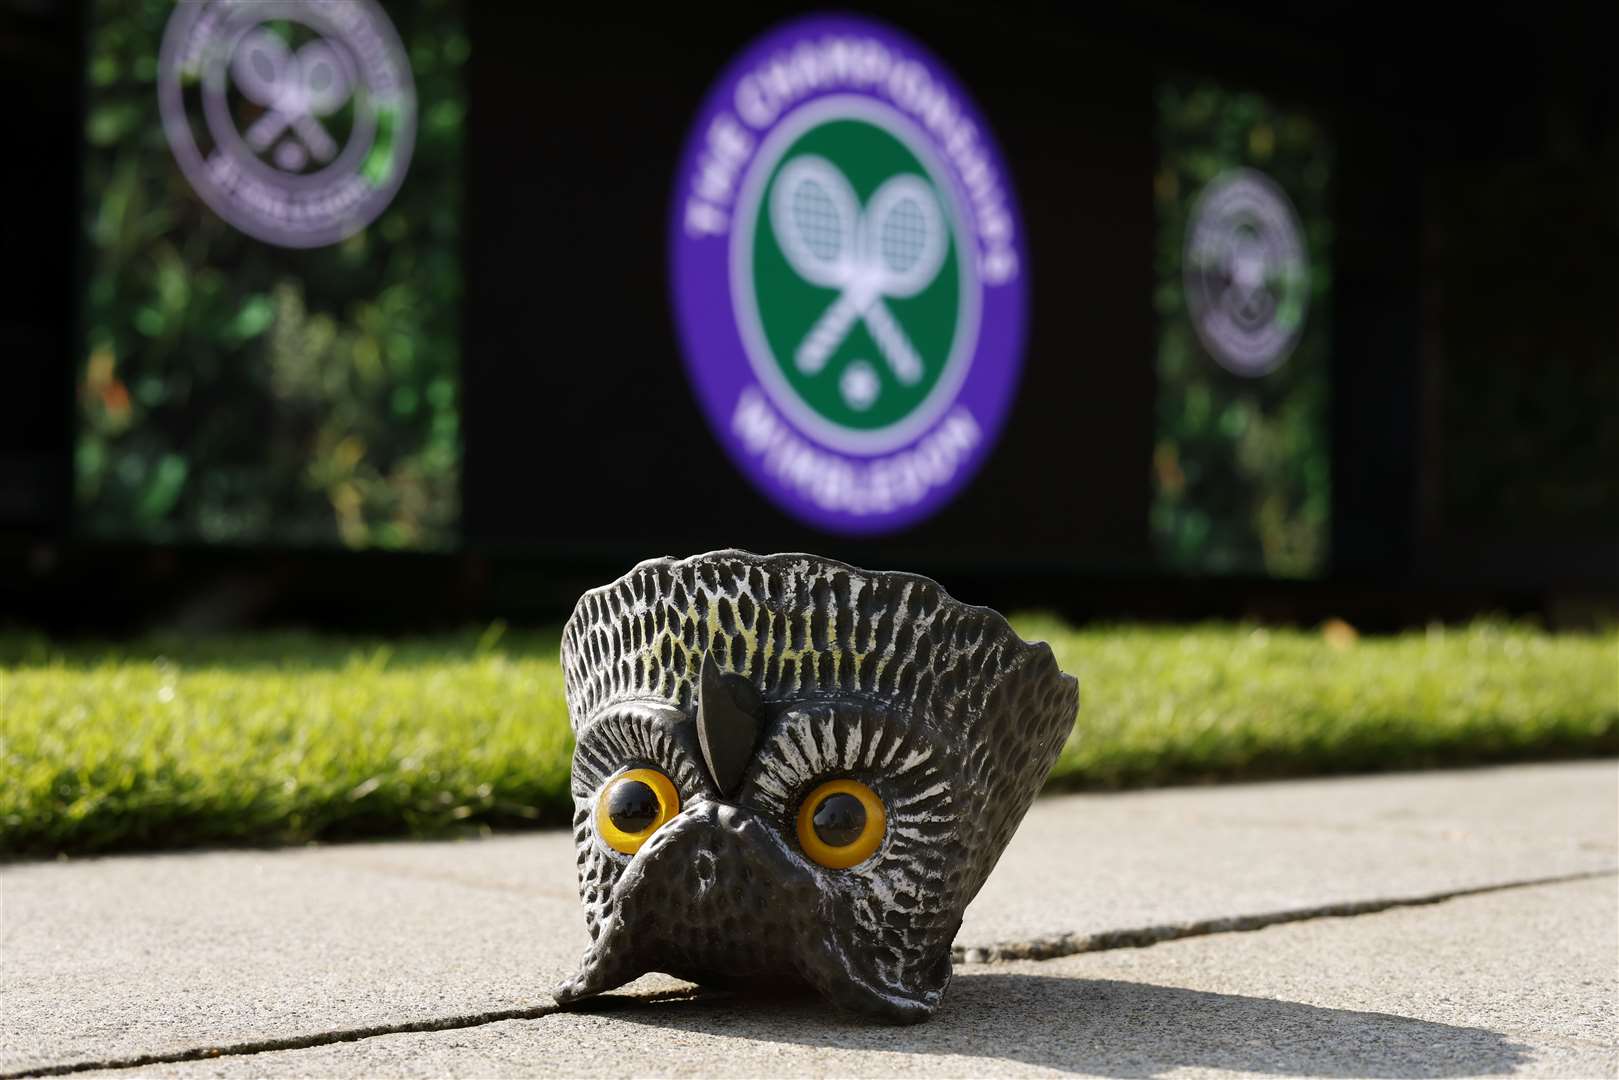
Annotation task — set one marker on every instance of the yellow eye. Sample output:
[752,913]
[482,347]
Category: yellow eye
[633,806]
[841,823]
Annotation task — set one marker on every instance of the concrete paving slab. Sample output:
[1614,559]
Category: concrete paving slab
[1086,864]
[116,958]
[1519,982]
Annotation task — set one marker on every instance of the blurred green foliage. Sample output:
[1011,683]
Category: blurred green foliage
[1241,466]
[173,742]
[236,392]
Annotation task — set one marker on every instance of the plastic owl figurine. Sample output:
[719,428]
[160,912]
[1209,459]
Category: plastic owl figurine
[790,771]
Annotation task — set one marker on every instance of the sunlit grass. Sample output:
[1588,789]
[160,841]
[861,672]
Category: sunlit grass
[288,738]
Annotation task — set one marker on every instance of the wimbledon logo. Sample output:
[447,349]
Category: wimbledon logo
[848,275]
[1247,278]
[292,119]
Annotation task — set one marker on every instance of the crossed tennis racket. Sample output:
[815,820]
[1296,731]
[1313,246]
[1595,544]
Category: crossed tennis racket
[890,249]
[295,88]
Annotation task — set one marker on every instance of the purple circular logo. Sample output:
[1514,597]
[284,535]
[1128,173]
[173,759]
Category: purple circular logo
[849,274]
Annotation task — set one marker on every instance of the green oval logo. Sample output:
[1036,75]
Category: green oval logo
[850,265]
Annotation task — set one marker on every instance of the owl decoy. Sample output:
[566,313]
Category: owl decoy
[791,771]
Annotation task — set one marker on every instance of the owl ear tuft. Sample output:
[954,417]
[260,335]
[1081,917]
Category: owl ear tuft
[727,724]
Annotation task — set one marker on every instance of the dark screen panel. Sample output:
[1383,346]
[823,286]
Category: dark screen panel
[582,430]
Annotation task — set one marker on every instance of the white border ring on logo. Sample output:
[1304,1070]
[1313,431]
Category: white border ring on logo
[288,207]
[1247,280]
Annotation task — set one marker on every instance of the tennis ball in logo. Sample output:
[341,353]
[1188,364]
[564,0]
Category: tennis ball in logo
[856,274]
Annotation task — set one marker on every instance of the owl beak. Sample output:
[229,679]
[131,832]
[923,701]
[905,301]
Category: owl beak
[712,862]
[727,724]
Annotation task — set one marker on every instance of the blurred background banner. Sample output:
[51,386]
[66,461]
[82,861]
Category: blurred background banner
[271,313]
[367,311]
[1242,459]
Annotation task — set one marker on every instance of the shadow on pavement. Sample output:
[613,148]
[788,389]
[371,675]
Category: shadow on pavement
[1108,1028]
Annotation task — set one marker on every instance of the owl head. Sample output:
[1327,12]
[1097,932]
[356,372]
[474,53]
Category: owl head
[787,770]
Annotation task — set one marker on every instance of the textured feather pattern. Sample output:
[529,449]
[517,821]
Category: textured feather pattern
[797,626]
[938,707]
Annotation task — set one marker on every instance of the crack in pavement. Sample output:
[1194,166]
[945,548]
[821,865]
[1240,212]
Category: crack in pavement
[1046,948]
[1070,944]
[294,1042]
[343,1035]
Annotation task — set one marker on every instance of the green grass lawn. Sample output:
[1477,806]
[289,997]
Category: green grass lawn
[288,738]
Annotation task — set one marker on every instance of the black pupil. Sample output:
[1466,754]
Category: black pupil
[632,806]
[839,820]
